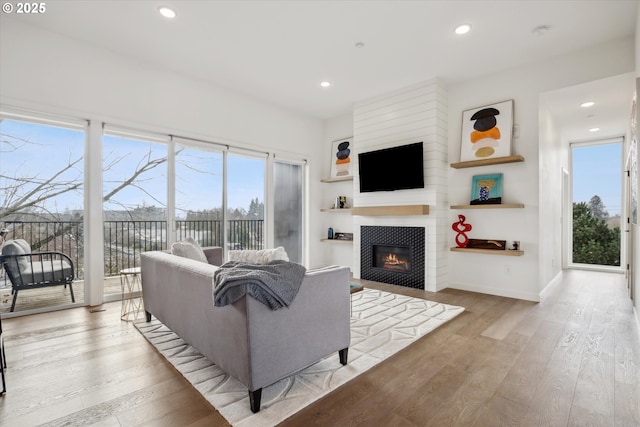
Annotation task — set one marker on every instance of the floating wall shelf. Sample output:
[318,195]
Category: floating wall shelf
[332,210]
[487,162]
[400,210]
[489,251]
[336,240]
[338,179]
[500,206]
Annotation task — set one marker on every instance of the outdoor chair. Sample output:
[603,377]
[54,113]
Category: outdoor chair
[27,270]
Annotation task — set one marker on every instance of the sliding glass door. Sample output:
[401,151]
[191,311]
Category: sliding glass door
[288,208]
[245,201]
[134,202]
[198,192]
[42,201]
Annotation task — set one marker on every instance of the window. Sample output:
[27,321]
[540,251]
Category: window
[134,201]
[597,200]
[198,193]
[288,208]
[41,198]
[245,202]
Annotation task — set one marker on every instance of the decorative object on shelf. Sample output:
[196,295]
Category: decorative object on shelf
[343,236]
[461,228]
[486,189]
[492,244]
[486,131]
[515,245]
[330,233]
[341,158]
[341,202]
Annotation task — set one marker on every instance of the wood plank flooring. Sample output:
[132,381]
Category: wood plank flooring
[571,360]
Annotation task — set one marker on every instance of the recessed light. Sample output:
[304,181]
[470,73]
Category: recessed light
[167,12]
[325,84]
[463,29]
[359,45]
[587,104]
[594,129]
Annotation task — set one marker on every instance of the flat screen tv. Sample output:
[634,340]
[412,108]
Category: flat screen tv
[390,169]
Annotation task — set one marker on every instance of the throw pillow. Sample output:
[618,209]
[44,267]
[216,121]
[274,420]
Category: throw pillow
[262,256]
[189,248]
[17,247]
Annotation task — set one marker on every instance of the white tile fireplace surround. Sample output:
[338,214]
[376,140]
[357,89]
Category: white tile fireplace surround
[394,255]
[409,115]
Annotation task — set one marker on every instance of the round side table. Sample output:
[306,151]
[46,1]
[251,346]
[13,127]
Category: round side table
[131,286]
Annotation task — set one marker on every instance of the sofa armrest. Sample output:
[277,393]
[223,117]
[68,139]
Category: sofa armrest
[315,325]
[213,254]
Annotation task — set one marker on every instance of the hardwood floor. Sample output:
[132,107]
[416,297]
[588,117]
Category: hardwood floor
[572,360]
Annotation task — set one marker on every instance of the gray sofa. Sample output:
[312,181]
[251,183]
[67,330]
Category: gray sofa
[256,345]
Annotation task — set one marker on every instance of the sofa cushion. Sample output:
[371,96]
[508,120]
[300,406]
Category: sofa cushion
[16,247]
[262,256]
[189,248]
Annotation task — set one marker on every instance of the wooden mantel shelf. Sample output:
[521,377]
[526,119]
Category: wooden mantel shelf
[486,162]
[489,251]
[400,210]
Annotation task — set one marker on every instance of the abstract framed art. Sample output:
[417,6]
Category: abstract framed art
[341,165]
[486,131]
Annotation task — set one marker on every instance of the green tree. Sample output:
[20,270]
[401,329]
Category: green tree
[597,208]
[593,241]
[256,209]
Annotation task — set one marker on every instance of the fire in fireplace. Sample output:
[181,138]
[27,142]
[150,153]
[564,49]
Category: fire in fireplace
[392,258]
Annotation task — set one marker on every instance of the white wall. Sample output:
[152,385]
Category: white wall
[528,274]
[62,75]
[551,162]
[339,253]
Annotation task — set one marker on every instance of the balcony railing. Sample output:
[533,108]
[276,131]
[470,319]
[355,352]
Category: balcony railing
[124,241]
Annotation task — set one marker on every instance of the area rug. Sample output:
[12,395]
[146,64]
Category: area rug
[382,324]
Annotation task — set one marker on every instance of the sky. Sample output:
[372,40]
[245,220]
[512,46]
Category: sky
[198,173]
[597,170]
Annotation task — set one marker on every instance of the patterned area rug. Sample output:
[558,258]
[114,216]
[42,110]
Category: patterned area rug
[381,325]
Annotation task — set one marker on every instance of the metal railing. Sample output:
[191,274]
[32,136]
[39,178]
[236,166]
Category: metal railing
[49,236]
[124,241]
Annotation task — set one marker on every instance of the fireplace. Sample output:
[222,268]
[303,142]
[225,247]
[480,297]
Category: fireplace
[392,258]
[394,255]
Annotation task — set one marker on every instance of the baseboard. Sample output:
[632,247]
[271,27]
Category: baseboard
[509,293]
[552,283]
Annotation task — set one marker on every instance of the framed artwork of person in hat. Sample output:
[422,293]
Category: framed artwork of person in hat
[486,132]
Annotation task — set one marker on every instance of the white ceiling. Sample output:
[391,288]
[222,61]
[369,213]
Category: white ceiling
[611,113]
[279,51]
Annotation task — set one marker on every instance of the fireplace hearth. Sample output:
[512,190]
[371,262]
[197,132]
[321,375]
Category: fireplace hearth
[394,255]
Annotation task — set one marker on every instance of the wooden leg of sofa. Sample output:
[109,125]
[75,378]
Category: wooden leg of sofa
[344,353]
[254,400]
[148,315]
